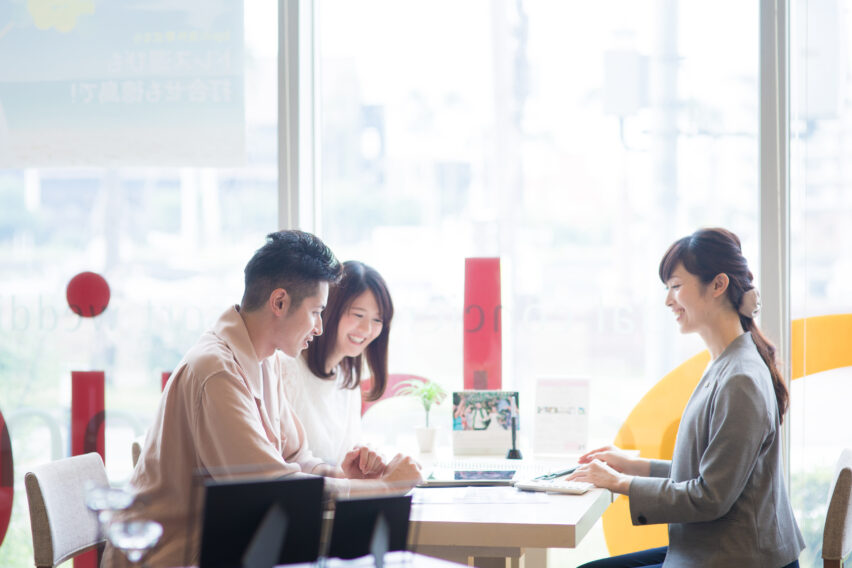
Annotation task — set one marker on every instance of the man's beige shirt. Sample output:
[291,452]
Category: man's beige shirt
[219,412]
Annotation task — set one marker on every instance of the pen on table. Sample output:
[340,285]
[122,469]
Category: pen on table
[556,474]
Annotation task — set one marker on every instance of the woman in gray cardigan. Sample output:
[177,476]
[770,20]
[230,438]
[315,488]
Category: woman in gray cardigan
[723,493]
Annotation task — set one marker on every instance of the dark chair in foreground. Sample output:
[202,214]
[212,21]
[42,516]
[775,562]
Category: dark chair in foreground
[372,525]
[247,522]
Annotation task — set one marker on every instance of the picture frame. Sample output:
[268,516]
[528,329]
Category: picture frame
[482,421]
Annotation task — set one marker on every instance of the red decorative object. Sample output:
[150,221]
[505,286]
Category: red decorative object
[7,478]
[87,412]
[87,294]
[391,388]
[87,430]
[165,378]
[483,349]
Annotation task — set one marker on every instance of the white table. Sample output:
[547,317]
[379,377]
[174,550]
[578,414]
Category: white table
[493,524]
[391,560]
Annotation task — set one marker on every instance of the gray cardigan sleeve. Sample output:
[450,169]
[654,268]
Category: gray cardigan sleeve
[660,468]
[737,425]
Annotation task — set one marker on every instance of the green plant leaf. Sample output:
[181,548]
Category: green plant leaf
[428,392]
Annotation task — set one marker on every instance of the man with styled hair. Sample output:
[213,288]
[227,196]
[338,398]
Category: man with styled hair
[224,411]
[293,260]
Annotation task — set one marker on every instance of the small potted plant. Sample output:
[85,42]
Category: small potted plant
[428,393]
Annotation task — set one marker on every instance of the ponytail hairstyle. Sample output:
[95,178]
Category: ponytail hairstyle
[710,252]
[357,278]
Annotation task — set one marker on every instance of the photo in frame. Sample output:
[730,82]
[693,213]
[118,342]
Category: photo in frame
[482,421]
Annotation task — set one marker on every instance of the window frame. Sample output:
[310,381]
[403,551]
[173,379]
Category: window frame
[300,188]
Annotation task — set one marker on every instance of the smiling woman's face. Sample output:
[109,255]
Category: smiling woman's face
[689,299]
[359,325]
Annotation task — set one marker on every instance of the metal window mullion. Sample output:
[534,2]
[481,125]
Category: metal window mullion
[296,124]
[775,184]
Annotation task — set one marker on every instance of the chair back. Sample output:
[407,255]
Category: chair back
[837,535]
[136,449]
[391,388]
[62,526]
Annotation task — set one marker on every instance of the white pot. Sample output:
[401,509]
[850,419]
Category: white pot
[425,438]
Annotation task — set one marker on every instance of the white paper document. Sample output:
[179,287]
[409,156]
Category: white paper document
[561,416]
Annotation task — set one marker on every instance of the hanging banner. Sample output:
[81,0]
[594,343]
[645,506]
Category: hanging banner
[483,329]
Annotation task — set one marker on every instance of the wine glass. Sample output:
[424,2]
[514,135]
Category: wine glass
[104,501]
[134,538]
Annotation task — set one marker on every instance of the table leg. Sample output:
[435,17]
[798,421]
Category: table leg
[481,557]
[495,562]
[445,553]
[534,558]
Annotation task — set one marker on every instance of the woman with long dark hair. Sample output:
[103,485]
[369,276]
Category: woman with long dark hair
[323,383]
[723,493]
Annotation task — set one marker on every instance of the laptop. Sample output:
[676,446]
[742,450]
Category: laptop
[486,472]
[443,477]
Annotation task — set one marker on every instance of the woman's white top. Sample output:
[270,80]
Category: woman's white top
[331,415]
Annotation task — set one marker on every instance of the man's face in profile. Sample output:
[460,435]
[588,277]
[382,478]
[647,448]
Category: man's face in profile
[303,322]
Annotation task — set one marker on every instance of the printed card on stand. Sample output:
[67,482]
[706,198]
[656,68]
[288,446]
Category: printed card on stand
[561,416]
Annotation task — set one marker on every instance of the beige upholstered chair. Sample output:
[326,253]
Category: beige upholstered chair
[62,525]
[837,535]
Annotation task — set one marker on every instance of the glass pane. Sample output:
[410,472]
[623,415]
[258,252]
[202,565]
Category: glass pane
[821,238]
[574,142]
[169,236]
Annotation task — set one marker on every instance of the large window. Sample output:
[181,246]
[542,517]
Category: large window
[169,236]
[821,125]
[574,142]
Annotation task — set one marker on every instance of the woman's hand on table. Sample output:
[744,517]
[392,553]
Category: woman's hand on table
[602,475]
[362,462]
[618,460]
